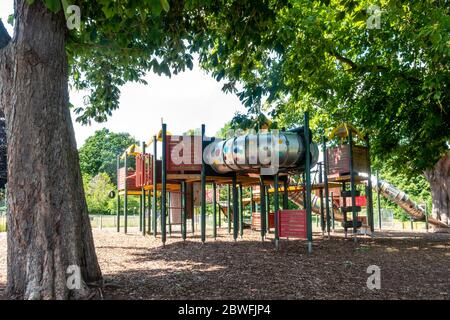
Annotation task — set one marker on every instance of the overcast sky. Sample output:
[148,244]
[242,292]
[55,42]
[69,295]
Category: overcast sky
[184,101]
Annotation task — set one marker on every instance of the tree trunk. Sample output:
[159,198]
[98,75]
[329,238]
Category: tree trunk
[49,227]
[439,179]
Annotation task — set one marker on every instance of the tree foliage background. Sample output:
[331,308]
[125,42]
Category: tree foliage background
[99,152]
[98,162]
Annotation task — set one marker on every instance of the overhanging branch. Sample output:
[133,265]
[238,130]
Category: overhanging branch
[345,60]
[4,36]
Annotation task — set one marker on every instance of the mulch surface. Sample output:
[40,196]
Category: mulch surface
[413,266]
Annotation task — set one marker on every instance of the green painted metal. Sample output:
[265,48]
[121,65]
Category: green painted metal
[322,208]
[352,185]
[219,213]
[308,182]
[193,212]
[344,213]
[266,217]
[125,198]
[203,193]
[118,213]
[332,210]
[169,210]
[214,200]
[369,191]
[325,177]
[276,208]
[149,210]
[163,184]
[379,201]
[262,192]
[285,195]
[143,222]
[118,197]
[229,207]
[235,209]
[241,212]
[183,210]
[155,191]
[252,201]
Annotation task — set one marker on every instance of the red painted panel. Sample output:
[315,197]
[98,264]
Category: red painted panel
[178,160]
[131,180]
[256,220]
[292,224]
[359,200]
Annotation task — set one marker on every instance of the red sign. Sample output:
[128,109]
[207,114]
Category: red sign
[360,201]
[292,224]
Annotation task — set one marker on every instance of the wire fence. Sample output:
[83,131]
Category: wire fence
[110,221]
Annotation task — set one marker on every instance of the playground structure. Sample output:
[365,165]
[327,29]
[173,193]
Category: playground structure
[265,164]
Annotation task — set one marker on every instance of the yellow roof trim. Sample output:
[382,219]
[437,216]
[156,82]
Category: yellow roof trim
[158,137]
[132,150]
[343,129]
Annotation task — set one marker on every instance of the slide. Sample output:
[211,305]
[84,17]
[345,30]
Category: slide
[402,200]
[387,190]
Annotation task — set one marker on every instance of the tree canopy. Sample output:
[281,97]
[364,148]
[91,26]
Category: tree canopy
[283,57]
[321,56]
[100,151]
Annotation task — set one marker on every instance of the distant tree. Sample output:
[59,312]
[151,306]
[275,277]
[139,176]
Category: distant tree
[99,152]
[97,193]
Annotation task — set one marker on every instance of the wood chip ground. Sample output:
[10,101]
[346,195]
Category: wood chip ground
[413,266]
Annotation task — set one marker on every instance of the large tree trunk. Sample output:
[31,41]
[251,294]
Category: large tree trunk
[439,179]
[49,228]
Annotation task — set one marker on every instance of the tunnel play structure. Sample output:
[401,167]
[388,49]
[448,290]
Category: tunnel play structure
[276,175]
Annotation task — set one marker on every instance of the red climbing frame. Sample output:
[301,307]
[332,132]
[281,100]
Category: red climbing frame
[292,224]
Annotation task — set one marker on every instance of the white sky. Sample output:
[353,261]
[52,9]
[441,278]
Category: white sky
[184,102]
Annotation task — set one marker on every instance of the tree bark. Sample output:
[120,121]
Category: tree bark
[439,179]
[48,223]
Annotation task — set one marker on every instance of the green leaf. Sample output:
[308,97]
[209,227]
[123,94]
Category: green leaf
[165,5]
[53,5]
[11,19]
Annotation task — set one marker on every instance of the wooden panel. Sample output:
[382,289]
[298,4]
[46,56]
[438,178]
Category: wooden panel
[339,159]
[256,220]
[131,180]
[178,160]
[144,170]
[292,224]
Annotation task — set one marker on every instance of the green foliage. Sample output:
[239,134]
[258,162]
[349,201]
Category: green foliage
[99,152]
[321,56]
[415,186]
[96,190]
[120,41]
[284,56]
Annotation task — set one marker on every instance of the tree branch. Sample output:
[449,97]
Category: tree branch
[358,68]
[4,36]
[345,60]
